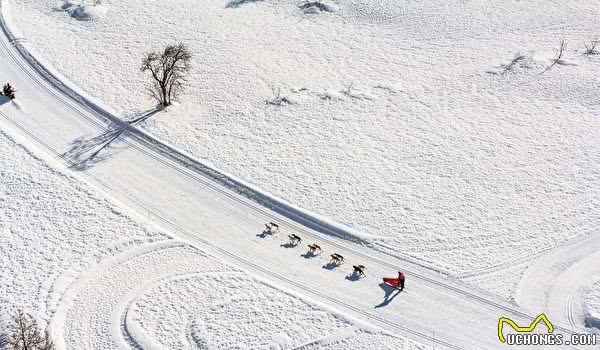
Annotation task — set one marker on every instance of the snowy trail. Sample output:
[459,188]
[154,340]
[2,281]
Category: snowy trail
[207,215]
[557,281]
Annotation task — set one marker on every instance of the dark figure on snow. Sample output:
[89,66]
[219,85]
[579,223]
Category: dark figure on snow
[313,248]
[401,279]
[271,228]
[294,239]
[336,259]
[9,91]
[359,270]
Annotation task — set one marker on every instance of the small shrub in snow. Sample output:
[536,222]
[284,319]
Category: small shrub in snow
[317,6]
[238,3]
[277,99]
[8,91]
[514,63]
[520,64]
[348,90]
[558,59]
[351,92]
[591,48]
[26,335]
[85,10]
[168,70]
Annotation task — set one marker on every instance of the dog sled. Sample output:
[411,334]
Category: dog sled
[391,281]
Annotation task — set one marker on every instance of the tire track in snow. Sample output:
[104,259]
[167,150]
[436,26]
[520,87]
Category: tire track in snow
[557,281]
[70,295]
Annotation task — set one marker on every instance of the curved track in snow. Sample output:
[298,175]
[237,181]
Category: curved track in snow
[176,192]
[556,282]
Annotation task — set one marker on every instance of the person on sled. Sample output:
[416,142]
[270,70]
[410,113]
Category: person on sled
[401,279]
[397,282]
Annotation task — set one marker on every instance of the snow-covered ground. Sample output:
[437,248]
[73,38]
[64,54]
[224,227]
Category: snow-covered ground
[407,120]
[563,284]
[104,279]
[180,195]
[409,123]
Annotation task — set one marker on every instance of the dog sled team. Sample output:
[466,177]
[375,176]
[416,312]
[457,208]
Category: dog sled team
[335,258]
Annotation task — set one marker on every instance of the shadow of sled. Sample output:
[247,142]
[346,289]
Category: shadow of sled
[389,294]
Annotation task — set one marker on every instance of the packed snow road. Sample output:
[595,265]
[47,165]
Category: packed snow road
[558,281]
[153,180]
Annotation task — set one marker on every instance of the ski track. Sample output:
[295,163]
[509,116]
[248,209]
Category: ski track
[80,272]
[152,305]
[260,318]
[559,282]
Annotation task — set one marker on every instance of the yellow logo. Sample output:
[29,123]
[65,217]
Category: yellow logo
[539,319]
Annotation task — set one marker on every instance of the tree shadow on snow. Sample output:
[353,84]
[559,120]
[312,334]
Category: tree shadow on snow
[143,116]
[84,153]
[389,294]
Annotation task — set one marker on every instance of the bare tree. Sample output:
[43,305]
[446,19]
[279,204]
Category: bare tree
[168,70]
[277,99]
[27,335]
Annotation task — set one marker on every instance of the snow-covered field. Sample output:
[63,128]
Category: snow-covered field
[407,120]
[103,279]
[435,130]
